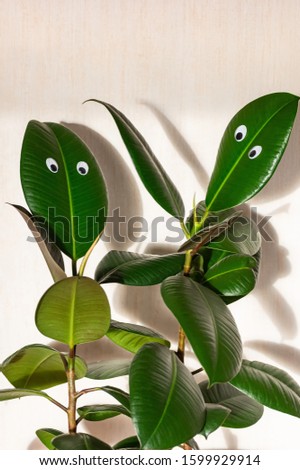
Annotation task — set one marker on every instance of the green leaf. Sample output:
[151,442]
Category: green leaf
[74,311]
[51,253]
[12,393]
[46,435]
[270,386]
[79,441]
[63,184]
[244,411]
[103,370]
[101,412]
[134,269]
[166,404]
[211,219]
[232,276]
[119,395]
[39,367]
[249,155]
[130,442]
[208,325]
[215,417]
[132,337]
[151,172]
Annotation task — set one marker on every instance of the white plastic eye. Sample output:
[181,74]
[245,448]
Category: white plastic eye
[52,165]
[82,168]
[255,151]
[240,133]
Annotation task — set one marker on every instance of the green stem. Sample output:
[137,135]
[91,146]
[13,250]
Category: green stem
[181,334]
[184,229]
[74,267]
[72,392]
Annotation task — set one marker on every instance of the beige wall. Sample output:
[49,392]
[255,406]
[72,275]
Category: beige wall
[179,69]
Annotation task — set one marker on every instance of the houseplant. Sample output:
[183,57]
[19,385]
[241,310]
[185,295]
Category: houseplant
[217,265]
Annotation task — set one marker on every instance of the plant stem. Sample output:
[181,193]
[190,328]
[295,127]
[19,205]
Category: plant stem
[72,392]
[181,334]
[52,400]
[74,267]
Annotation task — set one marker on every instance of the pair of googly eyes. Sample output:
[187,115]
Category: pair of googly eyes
[240,134]
[81,167]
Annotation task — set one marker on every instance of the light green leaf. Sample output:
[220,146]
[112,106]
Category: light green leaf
[109,369]
[151,172]
[244,411]
[12,393]
[132,337]
[166,404]
[134,269]
[79,441]
[270,386]
[39,367]
[101,412]
[74,311]
[215,417]
[63,184]
[208,325]
[46,435]
[251,149]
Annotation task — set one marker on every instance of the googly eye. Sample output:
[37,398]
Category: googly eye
[52,165]
[240,133]
[82,168]
[255,151]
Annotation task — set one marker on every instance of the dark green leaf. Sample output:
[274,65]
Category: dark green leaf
[46,435]
[131,442]
[133,337]
[215,417]
[79,441]
[51,253]
[249,155]
[167,408]
[62,183]
[38,367]
[244,410]
[208,325]
[151,172]
[109,369]
[101,412]
[270,386]
[12,393]
[194,220]
[133,269]
[119,395]
[74,311]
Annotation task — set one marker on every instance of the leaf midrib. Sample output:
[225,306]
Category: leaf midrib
[72,313]
[244,268]
[53,353]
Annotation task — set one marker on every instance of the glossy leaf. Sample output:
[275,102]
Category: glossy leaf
[50,251]
[12,393]
[131,442]
[63,184]
[151,172]
[119,395]
[251,149]
[74,311]
[194,220]
[215,417]
[79,441]
[270,386]
[109,369]
[244,411]
[101,412]
[132,337]
[232,276]
[208,325]
[167,408]
[134,269]
[46,436]
[39,367]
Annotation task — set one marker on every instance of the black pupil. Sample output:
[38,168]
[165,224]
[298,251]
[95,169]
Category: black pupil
[239,136]
[53,167]
[82,170]
[252,153]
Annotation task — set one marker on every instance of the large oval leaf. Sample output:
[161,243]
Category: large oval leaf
[244,410]
[101,412]
[133,337]
[166,404]
[151,172]
[39,367]
[251,149]
[73,311]
[208,325]
[134,269]
[103,370]
[63,184]
[270,386]
[79,441]
[130,442]
[13,393]
[121,396]
[46,436]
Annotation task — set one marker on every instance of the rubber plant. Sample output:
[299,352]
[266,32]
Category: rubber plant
[217,264]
